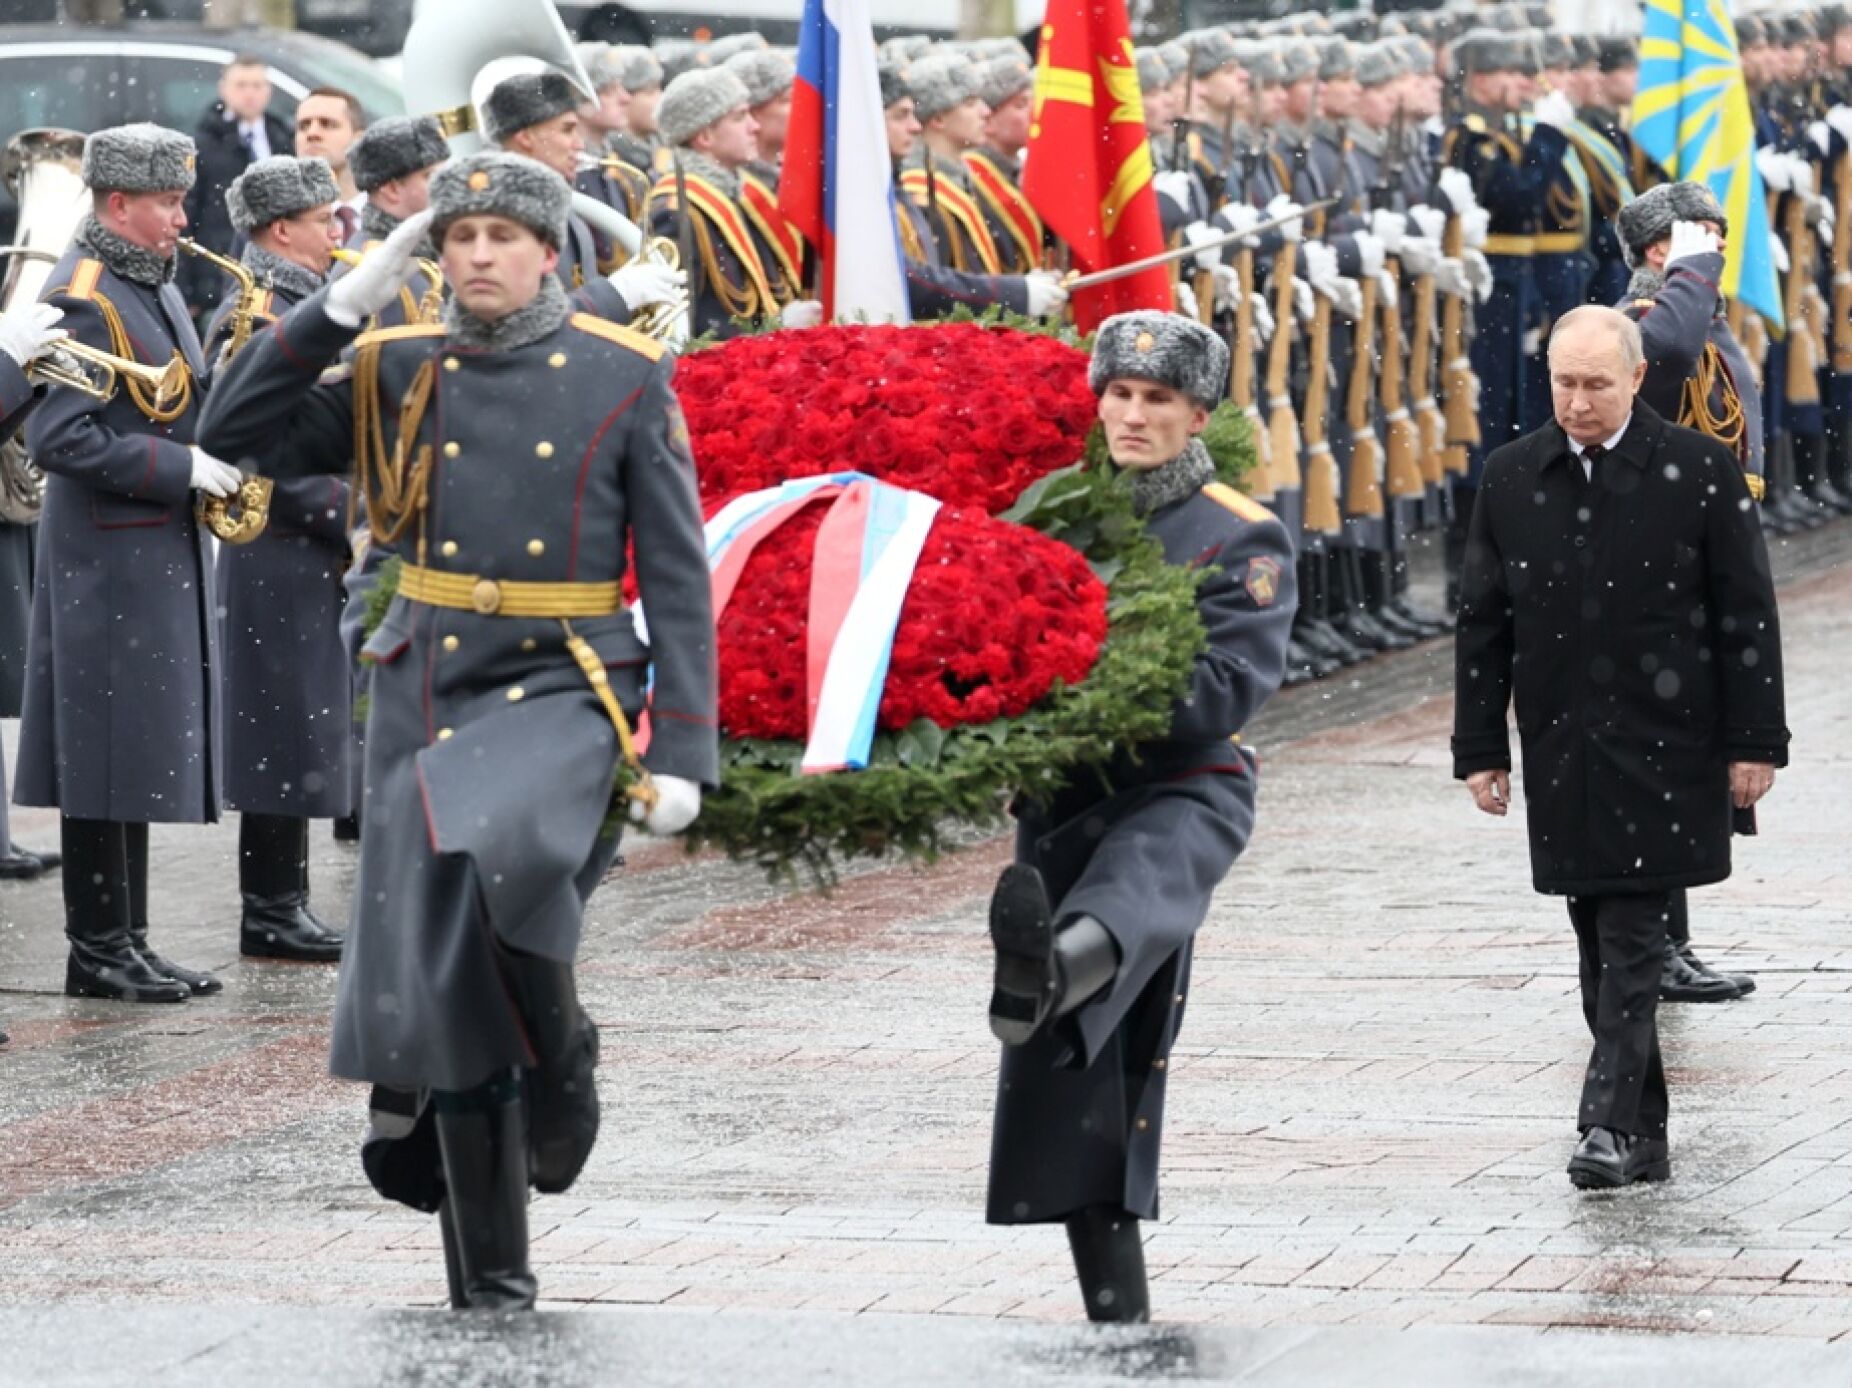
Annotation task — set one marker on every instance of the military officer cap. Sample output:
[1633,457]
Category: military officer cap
[1210,50]
[696,99]
[637,68]
[496,183]
[526,99]
[141,158]
[1153,71]
[393,148]
[1379,64]
[1335,59]
[725,47]
[941,84]
[893,79]
[1000,79]
[1618,52]
[1648,218]
[278,187]
[1168,348]
[766,73]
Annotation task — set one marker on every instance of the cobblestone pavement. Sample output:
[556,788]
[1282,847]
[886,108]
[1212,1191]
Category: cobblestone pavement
[1370,1114]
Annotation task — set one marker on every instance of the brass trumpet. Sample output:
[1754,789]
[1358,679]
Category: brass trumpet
[240,518]
[96,372]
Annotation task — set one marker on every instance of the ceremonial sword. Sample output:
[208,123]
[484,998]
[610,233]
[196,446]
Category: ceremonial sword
[1119,272]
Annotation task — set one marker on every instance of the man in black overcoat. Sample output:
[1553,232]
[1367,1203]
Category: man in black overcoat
[1616,586]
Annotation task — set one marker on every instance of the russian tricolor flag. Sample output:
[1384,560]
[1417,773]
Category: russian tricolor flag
[838,183]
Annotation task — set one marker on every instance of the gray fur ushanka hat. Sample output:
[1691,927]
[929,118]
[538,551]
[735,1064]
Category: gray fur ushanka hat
[1164,347]
[496,183]
[141,158]
[515,103]
[393,148]
[277,187]
[1649,217]
[697,99]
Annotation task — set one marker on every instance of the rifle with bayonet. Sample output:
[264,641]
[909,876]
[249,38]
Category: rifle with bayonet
[1402,443]
[1242,352]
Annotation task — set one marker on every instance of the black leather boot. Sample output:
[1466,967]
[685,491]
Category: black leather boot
[1312,622]
[1403,602]
[453,1259]
[561,1089]
[199,983]
[272,878]
[1369,590]
[103,962]
[23,864]
[483,1138]
[4,1038]
[1109,1259]
[347,829]
[1041,972]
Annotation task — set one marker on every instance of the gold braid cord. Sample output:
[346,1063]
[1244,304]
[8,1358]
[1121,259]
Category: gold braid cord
[1727,425]
[142,395]
[740,301]
[394,492]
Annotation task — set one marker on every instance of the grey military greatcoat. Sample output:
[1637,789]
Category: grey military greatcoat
[16,543]
[284,678]
[1080,1111]
[489,760]
[119,706]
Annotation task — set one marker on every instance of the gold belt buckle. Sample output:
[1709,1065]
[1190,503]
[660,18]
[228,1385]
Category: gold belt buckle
[486,597]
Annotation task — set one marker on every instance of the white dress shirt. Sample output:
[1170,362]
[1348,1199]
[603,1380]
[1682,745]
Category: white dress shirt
[1608,445]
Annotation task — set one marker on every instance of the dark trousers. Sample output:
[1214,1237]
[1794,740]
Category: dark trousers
[106,882]
[1621,939]
[1678,917]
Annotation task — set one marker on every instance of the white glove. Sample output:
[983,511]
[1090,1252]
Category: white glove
[1389,228]
[1476,223]
[1369,253]
[1262,311]
[677,804]
[1174,184]
[1293,228]
[1801,174]
[1450,277]
[1240,216]
[212,476]
[1302,300]
[1046,296]
[1840,119]
[1820,214]
[1778,254]
[1532,342]
[1430,222]
[1227,289]
[1420,255]
[1478,273]
[642,283]
[1456,186]
[1347,297]
[1195,234]
[1321,266]
[374,283]
[1186,304]
[799,313]
[1386,291]
[1822,136]
[30,331]
[1690,239]
[1774,168]
[1553,109]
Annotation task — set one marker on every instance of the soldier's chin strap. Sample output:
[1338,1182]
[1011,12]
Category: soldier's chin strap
[642,788]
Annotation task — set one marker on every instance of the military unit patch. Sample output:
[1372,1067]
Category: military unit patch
[1263,580]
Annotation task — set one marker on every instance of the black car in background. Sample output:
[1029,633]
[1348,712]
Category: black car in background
[373,26]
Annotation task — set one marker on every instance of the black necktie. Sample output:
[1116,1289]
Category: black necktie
[250,146]
[345,215]
[1592,455]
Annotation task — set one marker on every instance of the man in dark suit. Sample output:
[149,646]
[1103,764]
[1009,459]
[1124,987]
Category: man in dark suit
[1616,584]
[235,132]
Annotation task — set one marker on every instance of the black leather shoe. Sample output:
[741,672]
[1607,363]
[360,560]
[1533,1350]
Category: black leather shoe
[1441,622]
[1022,933]
[283,927]
[19,865]
[1325,639]
[1745,983]
[1680,982]
[198,982]
[112,969]
[1607,1160]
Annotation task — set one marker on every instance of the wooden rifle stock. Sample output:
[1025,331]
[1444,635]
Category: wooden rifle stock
[1430,424]
[1803,385]
[1282,424]
[1842,266]
[1459,390]
[1241,378]
[1402,440]
[1321,469]
[1363,488]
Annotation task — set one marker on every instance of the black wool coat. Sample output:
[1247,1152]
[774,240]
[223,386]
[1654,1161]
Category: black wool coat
[1633,619]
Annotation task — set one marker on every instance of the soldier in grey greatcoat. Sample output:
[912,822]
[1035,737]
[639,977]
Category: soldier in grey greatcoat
[1093,923]
[283,677]
[26,334]
[121,718]
[548,447]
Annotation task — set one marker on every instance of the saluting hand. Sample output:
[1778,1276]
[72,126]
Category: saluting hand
[1491,791]
[1749,782]
[375,282]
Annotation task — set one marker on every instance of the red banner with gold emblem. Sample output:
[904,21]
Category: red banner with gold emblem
[1088,171]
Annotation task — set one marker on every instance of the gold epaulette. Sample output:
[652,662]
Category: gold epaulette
[403,331]
[618,333]
[1475,123]
[84,276]
[1239,502]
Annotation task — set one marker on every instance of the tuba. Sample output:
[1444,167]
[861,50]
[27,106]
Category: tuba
[447,50]
[43,170]
[241,517]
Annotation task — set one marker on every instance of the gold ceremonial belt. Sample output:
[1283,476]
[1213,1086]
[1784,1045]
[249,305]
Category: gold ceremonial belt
[1510,245]
[491,597]
[1557,242]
